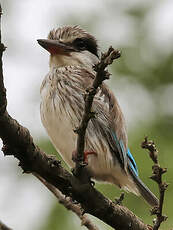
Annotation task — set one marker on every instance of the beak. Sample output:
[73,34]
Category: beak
[55,47]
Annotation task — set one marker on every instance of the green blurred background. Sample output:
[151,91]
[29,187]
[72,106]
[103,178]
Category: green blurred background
[142,80]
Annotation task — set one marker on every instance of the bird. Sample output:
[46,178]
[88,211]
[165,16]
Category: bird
[73,54]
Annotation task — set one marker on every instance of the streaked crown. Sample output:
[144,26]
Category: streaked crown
[75,36]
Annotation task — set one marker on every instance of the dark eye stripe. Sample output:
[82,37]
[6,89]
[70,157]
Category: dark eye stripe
[86,44]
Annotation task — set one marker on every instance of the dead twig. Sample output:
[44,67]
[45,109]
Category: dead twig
[69,204]
[120,199]
[101,75]
[157,173]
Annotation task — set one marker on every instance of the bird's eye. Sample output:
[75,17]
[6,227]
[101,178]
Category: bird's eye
[80,44]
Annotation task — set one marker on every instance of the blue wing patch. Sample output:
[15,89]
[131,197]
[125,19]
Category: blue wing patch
[121,150]
[132,162]
[124,155]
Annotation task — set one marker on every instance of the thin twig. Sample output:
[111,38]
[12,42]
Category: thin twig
[120,199]
[157,173]
[69,204]
[3,99]
[101,75]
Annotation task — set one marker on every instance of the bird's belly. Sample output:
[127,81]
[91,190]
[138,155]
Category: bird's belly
[60,131]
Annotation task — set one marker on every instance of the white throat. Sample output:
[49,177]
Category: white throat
[84,58]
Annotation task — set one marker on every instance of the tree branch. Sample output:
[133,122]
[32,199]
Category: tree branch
[18,142]
[4,227]
[101,75]
[69,204]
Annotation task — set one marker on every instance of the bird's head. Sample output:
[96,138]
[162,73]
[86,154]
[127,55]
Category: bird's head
[71,46]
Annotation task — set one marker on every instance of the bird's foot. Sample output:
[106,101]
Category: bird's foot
[86,153]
